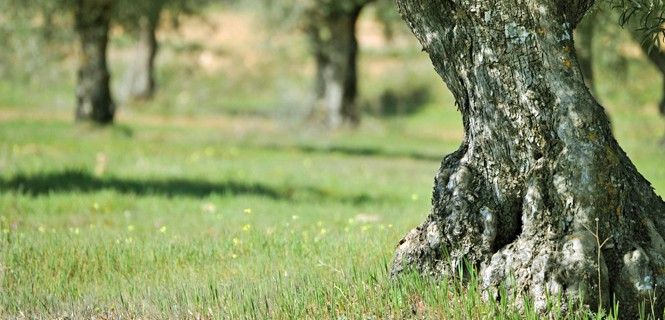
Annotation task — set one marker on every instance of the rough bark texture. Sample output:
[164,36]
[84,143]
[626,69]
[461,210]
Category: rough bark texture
[335,47]
[93,94]
[538,165]
[140,80]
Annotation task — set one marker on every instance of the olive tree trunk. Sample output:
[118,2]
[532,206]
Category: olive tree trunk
[335,48]
[538,168]
[140,79]
[93,94]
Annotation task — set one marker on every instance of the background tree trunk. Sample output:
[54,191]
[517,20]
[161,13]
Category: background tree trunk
[140,79]
[94,101]
[657,57]
[335,48]
[584,45]
[538,168]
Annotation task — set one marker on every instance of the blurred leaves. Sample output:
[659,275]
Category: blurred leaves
[647,15]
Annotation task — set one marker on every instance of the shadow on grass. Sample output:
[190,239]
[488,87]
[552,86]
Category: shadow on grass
[358,151]
[84,182]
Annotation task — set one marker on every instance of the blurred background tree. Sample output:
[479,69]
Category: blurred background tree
[645,37]
[334,99]
[594,22]
[142,19]
[330,27]
[93,92]
[92,22]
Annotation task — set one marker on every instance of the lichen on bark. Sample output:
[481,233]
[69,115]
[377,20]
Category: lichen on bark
[538,165]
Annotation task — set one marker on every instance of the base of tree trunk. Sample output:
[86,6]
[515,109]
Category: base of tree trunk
[539,199]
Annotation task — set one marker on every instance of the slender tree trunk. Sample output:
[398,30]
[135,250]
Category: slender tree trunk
[584,45]
[657,57]
[47,29]
[141,75]
[538,168]
[335,49]
[93,93]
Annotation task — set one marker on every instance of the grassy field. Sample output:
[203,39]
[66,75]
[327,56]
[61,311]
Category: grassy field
[197,207]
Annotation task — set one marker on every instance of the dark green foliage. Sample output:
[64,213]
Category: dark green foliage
[399,103]
[648,15]
[129,12]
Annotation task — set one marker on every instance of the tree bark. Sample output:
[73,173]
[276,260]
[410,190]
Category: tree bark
[335,48]
[538,167]
[93,93]
[140,79]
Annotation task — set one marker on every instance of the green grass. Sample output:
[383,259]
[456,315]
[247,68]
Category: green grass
[188,219]
[223,205]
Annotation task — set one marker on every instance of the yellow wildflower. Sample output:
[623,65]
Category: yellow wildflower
[209,207]
[194,157]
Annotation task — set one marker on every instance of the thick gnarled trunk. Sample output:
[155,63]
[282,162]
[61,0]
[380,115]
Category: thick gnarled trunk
[335,48]
[140,79]
[538,165]
[93,94]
